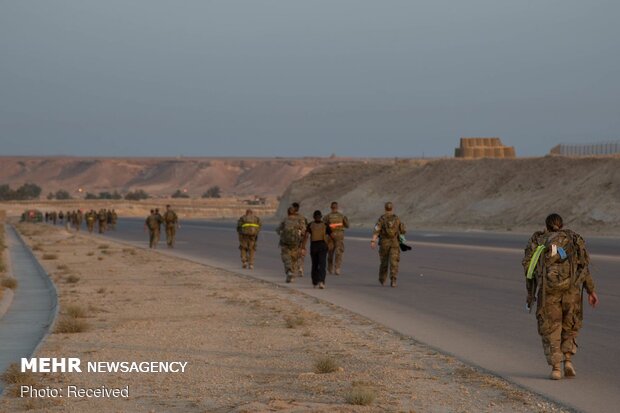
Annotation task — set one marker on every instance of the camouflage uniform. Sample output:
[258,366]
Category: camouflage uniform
[290,232]
[389,228]
[248,228]
[91,217]
[337,222]
[171,220]
[560,283]
[153,222]
[303,225]
[114,219]
[103,221]
[78,220]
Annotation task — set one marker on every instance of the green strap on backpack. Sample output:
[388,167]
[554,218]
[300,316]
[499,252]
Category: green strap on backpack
[534,261]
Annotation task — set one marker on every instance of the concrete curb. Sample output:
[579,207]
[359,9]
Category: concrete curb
[34,309]
[56,307]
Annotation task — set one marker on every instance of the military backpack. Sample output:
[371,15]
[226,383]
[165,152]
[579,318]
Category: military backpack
[291,233]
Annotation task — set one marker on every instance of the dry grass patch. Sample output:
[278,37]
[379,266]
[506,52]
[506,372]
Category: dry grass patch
[325,365]
[62,267]
[129,251]
[72,279]
[50,256]
[360,394]
[13,376]
[70,325]
[90,254]
[101,290]
[103,246]
[294,321]
[37,247]
[75,311]
[9,282]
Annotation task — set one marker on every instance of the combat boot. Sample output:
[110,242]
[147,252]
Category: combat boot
[556,372]
[322,285]
[393,283]
[330,269]
[289,277]
[251,266]
[337,271]
[244,265]
[569,369]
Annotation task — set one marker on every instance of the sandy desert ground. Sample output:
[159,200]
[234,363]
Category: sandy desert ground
[186,208]
[251,346]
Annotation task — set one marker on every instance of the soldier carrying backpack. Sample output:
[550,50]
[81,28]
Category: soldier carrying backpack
[556,266]
[248,227]
[388,230]
[290,231]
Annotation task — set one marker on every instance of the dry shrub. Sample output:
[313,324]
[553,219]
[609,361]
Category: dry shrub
[69,325]
[90,254]
[360,395]
[9,282]
[62,267]
[75,311]
[294,321]
[37,247]
[50,256]
[101,290]
[103,246]
[72,279]
[325,364]
[14,376]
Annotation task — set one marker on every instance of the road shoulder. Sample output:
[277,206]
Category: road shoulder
[250,345]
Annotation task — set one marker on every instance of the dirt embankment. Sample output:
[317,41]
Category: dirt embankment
[492,194]
[158,176]
[250,346]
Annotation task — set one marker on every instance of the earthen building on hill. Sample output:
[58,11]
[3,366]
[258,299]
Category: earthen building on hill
[483,148]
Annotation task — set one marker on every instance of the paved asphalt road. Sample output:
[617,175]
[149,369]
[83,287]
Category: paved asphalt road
[462,293]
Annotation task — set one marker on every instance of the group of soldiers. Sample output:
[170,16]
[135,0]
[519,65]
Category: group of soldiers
[153,224]
[556,265]
[104,218]
[326,237]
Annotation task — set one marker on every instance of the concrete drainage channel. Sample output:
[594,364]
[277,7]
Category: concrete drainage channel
[34,309]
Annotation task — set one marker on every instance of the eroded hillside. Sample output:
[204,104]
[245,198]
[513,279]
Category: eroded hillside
[498,194]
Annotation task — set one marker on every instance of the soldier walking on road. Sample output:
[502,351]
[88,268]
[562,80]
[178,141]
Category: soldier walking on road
[556,266]
[91,217]
[171,220]
[337,223]
[388,230]
[290,233]
[103,220]
[319,233]
[303,223]
[114,219]
[248,227]
[69,220]
[78,219]
[152,223]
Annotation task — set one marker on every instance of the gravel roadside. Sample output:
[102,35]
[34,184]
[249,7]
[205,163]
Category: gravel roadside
[250,346]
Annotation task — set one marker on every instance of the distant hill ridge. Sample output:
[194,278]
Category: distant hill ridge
[158,176]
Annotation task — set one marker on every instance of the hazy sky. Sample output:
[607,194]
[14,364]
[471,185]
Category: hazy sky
[297,78]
